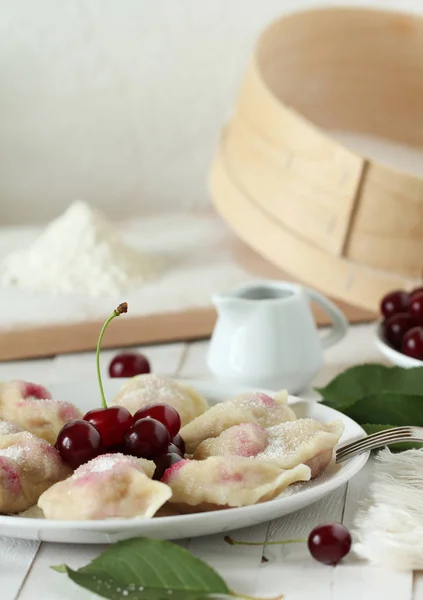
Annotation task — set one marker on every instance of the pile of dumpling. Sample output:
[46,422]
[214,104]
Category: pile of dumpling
[240,452]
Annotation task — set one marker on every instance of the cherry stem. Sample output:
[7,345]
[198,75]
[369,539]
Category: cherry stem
[232,542]
[122,308]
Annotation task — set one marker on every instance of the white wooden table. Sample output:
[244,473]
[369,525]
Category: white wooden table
[24,566]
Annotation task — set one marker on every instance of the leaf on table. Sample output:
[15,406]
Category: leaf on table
[390,407]
[148,569]
[370,379]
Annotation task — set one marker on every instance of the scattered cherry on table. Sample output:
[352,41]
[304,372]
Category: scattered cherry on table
[329,543]
[129,364]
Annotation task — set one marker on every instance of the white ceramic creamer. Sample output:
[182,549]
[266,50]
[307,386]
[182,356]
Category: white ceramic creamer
[265,336]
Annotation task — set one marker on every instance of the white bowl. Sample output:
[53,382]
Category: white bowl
[394,356]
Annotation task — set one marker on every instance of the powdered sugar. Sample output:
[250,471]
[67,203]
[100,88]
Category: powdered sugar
[78,252]
[7,428]
[15,453]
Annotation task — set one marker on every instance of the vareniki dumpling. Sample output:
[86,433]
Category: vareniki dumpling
[146,389]
[228,481]
[111,486]
[302,441]
[287,444]
[254,407]
[31,407]
[28,466]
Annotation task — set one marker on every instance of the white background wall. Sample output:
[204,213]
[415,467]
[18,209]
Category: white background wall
[120,102]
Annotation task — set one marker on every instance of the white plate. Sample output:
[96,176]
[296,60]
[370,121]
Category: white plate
[86,396]
[395,357]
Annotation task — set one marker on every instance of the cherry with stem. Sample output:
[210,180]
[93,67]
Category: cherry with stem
[122,308]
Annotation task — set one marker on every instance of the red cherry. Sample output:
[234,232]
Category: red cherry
[418,290]
[396,327]
[78,442]
[129,364]
[163,463]
[415,308]
[412,343]
[164,413]
[394,302]
[329,543]
[179,443]
[172,449]
[112,423]
[147,438]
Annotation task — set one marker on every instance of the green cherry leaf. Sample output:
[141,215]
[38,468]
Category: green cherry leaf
[362,381]
[148,569]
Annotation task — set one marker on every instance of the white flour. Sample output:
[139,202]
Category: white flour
[80,252]
[198,257]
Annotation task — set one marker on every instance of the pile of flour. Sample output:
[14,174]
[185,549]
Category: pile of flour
[79,253]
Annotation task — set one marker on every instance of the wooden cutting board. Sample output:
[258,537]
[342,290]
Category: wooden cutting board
[208,258]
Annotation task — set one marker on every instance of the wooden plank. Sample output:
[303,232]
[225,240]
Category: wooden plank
[16,557]
[238,565]
[79,337]
[290,569]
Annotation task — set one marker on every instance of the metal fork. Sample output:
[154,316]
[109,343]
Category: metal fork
[378,440]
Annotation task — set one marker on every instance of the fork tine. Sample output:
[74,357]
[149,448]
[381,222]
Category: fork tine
[371,440]
[388,436]
[374,443]
[395,431]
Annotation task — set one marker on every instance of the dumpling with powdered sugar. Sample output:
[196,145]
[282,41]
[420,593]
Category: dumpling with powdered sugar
[28,466]
[252,407]
[31,407]
[287,444]
[142,390]
[111,486]
[227,482]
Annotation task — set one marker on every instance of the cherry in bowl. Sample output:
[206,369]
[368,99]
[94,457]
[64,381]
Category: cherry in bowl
[395,328]
[412,343]
[394,302]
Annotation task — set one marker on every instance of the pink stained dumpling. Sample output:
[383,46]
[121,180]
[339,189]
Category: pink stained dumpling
[254,407]
[288,444]
[227,482]
[31,407]
[247,439]
[142,390]
[111,486]
[28,466]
